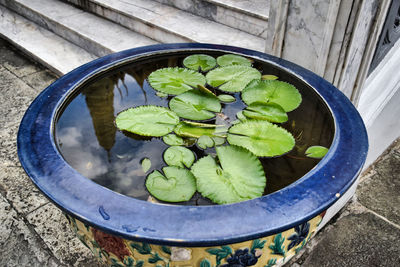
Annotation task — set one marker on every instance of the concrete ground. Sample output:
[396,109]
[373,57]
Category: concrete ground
[33,232]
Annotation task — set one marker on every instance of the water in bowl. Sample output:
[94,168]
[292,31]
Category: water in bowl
[89,141]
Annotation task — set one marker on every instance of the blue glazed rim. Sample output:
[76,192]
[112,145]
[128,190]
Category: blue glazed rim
[189,226]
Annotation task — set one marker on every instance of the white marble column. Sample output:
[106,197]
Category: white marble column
[333,38]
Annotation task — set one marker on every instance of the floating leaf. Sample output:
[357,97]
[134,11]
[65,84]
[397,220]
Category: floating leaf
[173,140]
[205,141]
[230,59]
[232,78]
[161,94]
[195,105]
[262,138]
[240,175]
[191,129]
[200,62]
[226,98]
[316,152]
[271,112]
[177,185]
[147,120]
[179,156]
[205,90]
[218,141]
[281,93]
[146,164]
[175,81]
[269,77]
[241,116]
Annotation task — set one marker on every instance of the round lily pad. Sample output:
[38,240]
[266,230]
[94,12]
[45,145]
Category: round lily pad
[179,156]
[173,140]
[230,59]
[176,80]
[205,141]
[147,120]
[195,105]
[146,164]
[271,112]
[238,176]
[281,93]
[316,152]
[232,78]
[262,138]
[200,62]
[177,185]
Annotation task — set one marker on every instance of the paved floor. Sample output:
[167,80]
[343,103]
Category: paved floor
[33,232]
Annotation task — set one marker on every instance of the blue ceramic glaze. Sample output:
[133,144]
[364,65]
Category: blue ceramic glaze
[189,225]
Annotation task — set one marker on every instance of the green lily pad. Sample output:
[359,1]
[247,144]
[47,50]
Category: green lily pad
[205,141]
[173,140]
[281,93]
[238,176]
[226,98]
[232,78]
[230,59]
[241,116]
[269,77]
[191,129]
[316,152]
[176,80]
[161,94]
[195,105]
[218,141]
[179,156]
[262,138]
[177,185]
[146,164]
[147,120]
[200,62]
[271,112]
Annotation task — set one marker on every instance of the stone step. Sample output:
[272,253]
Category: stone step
[168,24]
[96,35]
[42,45]
[250,16]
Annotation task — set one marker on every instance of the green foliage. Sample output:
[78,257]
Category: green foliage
[316,152]
[270,112]
[226,98]
[173,140]
[270,263]
[230,59]
[177,185]
[195,105]
[277,247]
[281,93]
[257,244]
[142,248]
[205,263]
[200,62]
[147,120]
[232,78]
[262,138]
[205,141]
[238,176]
[269,77]
[175,81]
[154,258]
[220,253]
[166,249]
[191,129]
[179,156]
[146,164]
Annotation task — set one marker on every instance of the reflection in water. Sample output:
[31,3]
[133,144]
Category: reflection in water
[90,143]
[99,99]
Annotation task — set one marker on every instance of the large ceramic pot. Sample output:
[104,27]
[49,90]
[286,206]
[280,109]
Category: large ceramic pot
[126,231]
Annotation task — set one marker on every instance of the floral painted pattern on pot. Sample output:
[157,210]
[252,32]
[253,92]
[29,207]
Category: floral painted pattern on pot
[267,252]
